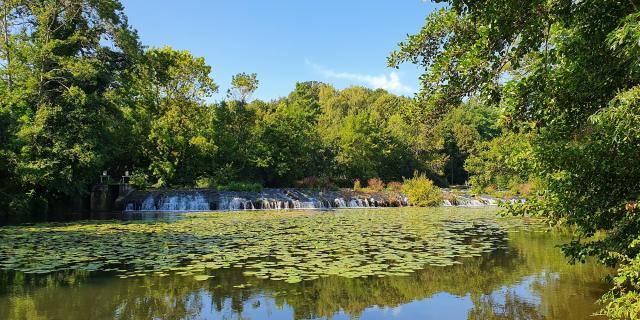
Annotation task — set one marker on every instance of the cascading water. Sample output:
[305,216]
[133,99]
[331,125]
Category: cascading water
[149,204]
[235,204]
[281,199]
[175,202]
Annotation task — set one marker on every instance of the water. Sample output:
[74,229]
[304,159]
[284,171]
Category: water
[269,199]
[280,199]
[529,279]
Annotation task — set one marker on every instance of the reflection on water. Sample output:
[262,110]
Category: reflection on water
[529,280]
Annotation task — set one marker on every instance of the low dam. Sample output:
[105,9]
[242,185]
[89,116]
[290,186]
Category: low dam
[276,199]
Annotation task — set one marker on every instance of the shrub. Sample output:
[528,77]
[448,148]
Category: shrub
[394,186]
[356,185]
[241,186]
[205,182]
[421,191]
[139,180]
[375,184]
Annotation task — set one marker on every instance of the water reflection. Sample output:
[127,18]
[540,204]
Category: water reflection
[529,280]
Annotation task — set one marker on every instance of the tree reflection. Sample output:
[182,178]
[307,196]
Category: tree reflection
[529,280]
[513,307]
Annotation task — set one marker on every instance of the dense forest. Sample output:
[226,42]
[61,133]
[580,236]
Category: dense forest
[537,97]
[82,95]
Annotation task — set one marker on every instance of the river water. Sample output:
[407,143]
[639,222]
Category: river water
[527,278]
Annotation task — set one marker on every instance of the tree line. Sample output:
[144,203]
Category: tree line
[82,95]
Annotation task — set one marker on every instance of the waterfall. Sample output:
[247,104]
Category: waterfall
[149,204]
[235,204]
[188,202]
[282,199]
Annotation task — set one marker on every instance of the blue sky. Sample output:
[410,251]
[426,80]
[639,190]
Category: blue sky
[342,42]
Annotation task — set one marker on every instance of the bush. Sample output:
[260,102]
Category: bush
[206,182]
[139,180]
[394,186]
[623,300]
[356,185]
[241,186]
[421,191]
[375,184]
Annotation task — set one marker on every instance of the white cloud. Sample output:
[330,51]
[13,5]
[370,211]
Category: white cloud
[390,82]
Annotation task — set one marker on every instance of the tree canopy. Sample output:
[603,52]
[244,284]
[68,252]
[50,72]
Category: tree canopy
[566,75]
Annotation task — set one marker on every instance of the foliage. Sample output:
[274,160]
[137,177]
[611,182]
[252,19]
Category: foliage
[375,184]
[205,183]
[180,141]
[623,300]
[286,146]
[367,133]
[315,183]
[501,163]
[234,123]
[357,186]
[241,186]
[63,64]
[462,132]
[394,186]
[566,75]
[421,191]
[242,86]
[139,179]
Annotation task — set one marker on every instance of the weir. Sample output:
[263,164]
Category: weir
[276,199]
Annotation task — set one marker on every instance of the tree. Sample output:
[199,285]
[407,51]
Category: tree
[501,163]
[286,144]
[234,123]
[566,73]
[64,62]
[243,86]
[180,138]
[461,132]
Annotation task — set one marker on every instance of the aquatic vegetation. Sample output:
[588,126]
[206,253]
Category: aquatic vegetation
[285,246]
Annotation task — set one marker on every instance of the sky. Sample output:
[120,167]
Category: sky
[341,42]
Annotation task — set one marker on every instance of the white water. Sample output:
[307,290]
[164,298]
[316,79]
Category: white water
[195,202]
[280,199]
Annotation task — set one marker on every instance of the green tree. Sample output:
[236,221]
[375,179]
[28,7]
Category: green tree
[286,146]
[501,163]
[566,72]
[461,132]
[180,137]
[235,124]
[63,63]
[367,133]
[243,86]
